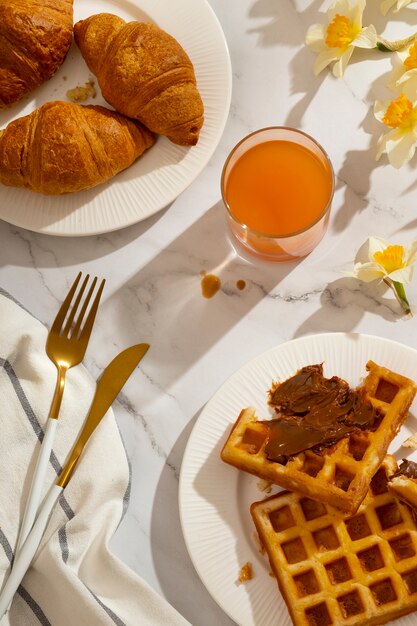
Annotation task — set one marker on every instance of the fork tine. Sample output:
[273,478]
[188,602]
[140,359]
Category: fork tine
[84,308]
[60,317]
[86,330]
[75,307]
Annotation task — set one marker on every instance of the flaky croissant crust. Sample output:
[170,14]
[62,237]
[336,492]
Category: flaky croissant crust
[35,36]
[143,73]
[64,147]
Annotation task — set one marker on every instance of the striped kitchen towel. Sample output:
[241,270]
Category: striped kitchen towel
[74,579]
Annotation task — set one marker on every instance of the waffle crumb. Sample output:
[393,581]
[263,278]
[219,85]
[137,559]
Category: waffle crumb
[264,485]
[246,573]
[81,94]
[411,442]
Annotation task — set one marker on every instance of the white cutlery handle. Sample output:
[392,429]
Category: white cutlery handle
[28,550]
[38,479]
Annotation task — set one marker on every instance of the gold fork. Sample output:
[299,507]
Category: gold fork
[65,345]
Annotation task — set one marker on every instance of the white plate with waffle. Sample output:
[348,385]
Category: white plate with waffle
[215,498]
[166,170]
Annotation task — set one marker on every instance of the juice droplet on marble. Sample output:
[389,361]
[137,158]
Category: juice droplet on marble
[210,284]
[240,284]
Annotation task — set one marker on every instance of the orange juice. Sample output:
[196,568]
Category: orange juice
[278,187]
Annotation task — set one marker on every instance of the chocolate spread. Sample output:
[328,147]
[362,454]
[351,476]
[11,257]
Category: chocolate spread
[314,412]
[407,468]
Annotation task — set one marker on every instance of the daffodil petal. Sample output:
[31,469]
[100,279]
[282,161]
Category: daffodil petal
[396,77]
[367,272]
[403,275]
[400,150]
[401,4]
[367,38]
[411,253]
[339,7]
[340,65]
[356,11]
[406,75]
[404,53]
[408,90]
[380,108]
[381,147]
[324,58]
[398,146]
[376,244]
[386,6]
[315,37]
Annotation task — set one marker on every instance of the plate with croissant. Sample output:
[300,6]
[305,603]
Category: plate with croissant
[108,109]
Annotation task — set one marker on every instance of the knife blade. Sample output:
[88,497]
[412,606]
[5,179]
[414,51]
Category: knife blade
[108,387]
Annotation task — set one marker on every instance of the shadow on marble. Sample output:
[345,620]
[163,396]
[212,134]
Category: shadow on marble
[355,173]
[67,251]
[308,85]
[345,301]
[166,530]
[410,226]
[164,300]
[283,25]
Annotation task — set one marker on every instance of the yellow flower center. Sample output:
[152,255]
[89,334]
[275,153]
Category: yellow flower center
[391,258]
[400,113]
[411,61]
[341,32]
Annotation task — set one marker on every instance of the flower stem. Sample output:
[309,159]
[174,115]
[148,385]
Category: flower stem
[399,291]
[393,46]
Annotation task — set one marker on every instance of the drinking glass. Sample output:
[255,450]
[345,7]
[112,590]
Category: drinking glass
[278,246]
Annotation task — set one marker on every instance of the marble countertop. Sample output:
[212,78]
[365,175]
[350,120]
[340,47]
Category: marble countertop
[153,290]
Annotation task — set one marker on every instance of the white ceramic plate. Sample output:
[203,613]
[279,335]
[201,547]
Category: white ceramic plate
[215,497]
[165,170]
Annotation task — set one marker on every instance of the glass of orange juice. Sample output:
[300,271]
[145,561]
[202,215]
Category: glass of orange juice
[277,185]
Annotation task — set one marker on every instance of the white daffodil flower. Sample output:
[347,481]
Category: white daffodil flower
[392,263]
[404,76]
[344,32]
[400,115]
[399,4]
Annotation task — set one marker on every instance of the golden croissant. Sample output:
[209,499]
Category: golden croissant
[143,73]
[35,36]
[64,147]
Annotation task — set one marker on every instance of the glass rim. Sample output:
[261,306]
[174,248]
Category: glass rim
[253,230]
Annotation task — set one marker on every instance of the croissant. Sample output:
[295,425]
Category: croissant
[35,36]
[64,147]
[143,73]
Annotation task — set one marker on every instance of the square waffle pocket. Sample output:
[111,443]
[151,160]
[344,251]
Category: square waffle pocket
[339,475]
[334,571]
[404,484]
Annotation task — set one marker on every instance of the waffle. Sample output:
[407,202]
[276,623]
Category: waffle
[340,475]
[356,571]
[405,488]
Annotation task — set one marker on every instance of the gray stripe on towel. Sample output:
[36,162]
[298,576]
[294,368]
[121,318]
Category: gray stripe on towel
[25,595]
[9,296]
[66,507]
[28,409]
[62,532]
[115,618]
[6,546]
[63,543]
